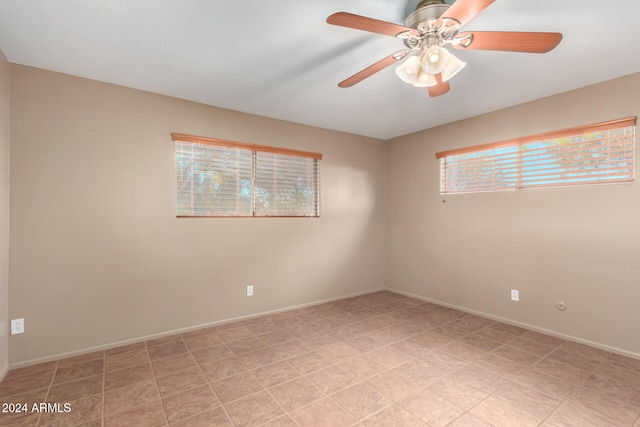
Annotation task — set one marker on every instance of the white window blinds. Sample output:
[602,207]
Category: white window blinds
[223,178]
[213,180]
[593,154]
[286,185]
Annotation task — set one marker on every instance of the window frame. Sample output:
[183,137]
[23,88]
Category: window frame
[543,137]
[254,148]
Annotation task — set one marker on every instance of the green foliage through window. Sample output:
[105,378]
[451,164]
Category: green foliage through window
[228,181]
[601,156]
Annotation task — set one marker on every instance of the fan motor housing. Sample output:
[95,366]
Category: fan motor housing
[425,17]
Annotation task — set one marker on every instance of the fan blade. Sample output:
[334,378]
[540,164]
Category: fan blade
[346,19]
[508,41]
[464,11]
[441,88]
[374,68]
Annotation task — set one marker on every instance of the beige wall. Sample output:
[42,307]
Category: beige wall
[579,245]
[4,214]
[97,255]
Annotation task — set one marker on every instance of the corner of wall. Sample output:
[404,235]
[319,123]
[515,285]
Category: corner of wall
[4,215]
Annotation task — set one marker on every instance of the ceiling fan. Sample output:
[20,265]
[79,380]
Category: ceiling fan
[425,32]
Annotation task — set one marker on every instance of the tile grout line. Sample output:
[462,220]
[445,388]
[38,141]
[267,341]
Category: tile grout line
[46,398]
[286,412]
[207,379]
[330,396]
[128,385]
[282,359]
[155,381]
[359,380]
[574,388]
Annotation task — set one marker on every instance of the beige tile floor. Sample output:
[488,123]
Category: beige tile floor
[377,360]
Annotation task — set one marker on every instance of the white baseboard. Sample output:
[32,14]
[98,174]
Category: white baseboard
[534,328]
[180,331]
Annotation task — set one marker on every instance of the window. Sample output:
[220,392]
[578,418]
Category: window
[594,154]
[224,178]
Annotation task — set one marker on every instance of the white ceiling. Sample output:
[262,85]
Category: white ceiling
[280,59]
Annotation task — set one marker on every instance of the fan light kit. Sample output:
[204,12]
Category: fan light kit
[421,70]
[425,34]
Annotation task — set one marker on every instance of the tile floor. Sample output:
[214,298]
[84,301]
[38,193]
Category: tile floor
[376,360]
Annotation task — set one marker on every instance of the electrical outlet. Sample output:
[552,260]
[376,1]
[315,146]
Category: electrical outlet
[250,290]
[17,326]
[515,295]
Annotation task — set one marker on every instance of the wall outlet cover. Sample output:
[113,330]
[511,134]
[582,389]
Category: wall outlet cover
[17,326]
